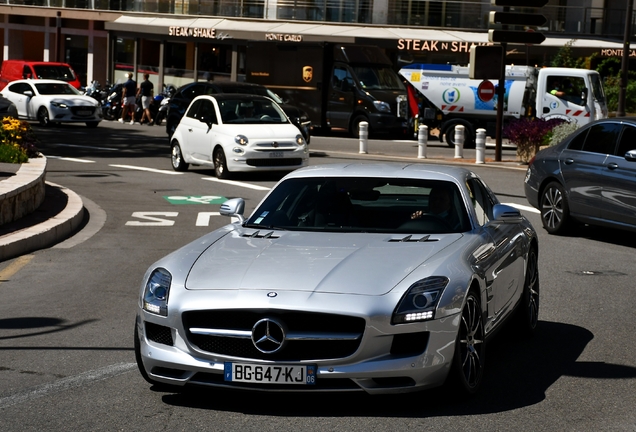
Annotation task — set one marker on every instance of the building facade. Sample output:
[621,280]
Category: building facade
[179,41]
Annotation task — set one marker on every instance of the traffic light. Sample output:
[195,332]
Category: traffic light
[485,62]
[507,17]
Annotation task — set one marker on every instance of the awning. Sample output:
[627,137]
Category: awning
[320,32]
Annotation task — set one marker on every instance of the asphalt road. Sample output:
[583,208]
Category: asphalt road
[67,313]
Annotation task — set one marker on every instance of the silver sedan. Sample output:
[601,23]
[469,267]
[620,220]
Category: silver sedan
[385,278]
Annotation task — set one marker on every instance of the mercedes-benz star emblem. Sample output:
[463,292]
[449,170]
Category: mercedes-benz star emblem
[268,336]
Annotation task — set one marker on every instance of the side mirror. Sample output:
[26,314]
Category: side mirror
[631,156]
[233,207]
[28,93]
[506,214]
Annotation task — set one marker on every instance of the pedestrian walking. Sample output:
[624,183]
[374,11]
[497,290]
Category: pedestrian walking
[129,97]
[146,90]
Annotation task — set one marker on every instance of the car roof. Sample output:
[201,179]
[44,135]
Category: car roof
[234,96]
[227,86]
[39,81]
[386,169]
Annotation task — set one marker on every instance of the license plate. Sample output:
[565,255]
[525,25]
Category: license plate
[270,374]
[84,113]
[276,154]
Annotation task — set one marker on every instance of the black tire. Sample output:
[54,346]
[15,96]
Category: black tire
[171,126]
[220,164]
[158,119]
[528,309]
[43,117]
[469,136]
[176,157]
[467,371]
[554,207]
[92,124]
[354,128]
[108,115]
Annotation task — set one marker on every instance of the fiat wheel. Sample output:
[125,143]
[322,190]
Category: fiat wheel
[178,164]
[220,164]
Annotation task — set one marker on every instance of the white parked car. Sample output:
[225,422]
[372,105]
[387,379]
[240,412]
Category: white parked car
[52,101]
[237,132]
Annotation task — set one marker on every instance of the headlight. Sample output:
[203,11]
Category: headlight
[300,140]
[156,292]
[59,104]
[241,139]
[382,106]
[420,301]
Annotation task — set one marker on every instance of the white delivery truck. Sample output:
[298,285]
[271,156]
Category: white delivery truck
[448,97]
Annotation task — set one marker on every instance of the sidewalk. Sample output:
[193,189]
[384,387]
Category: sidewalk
[58,216]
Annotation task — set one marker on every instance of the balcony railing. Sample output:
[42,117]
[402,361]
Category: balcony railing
[466,14]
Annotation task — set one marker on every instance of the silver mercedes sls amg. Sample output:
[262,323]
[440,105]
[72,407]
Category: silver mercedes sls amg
[384,278]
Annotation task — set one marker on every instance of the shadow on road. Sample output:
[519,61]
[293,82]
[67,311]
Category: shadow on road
[518,374]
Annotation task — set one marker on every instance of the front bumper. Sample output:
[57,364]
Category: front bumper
[380,364]
[266,158]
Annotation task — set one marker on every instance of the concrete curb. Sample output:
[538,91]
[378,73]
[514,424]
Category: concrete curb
[47,233]
[23,193]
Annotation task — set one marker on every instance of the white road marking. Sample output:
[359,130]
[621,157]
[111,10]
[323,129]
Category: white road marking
[67,383]
[235,183]
[203,218]
[524,208]
[153,219]
[138,168]
[88,147]
[70,159]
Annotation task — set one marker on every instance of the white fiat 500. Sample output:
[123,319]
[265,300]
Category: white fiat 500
[52,101]
[237,132]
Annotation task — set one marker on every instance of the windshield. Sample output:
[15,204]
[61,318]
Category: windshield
[378,78]
[251,111]
[363,204]
[62,73]
[56,89]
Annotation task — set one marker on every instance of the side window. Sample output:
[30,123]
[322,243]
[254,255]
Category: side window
[481,201]
[342,79]
[206,111]
[194,108]
[602,138]
[577,141]
[627,142]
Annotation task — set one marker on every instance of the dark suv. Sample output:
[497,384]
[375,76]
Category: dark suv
[186,93]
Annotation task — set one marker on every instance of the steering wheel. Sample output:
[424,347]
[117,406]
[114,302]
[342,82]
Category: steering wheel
[265,117]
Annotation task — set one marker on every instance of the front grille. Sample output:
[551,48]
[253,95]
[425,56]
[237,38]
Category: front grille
[332,384]
[83,111]
[329,347]
[274,162]
[159,334]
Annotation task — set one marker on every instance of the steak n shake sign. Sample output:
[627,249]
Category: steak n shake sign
[197,32]
[435,45]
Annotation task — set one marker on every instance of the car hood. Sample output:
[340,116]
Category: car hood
[259,131]
[368,264]
[70,100]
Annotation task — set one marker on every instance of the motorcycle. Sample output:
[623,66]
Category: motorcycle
[111,108]
[162,101]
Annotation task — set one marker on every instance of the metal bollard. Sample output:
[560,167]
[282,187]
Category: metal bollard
[363,132]
[459,142]
[422,140]
[480,146]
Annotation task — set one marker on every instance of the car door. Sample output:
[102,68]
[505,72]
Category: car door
[583,167]
[21,101]
[341,97]
[619,190]
[504,267]
[199,123]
